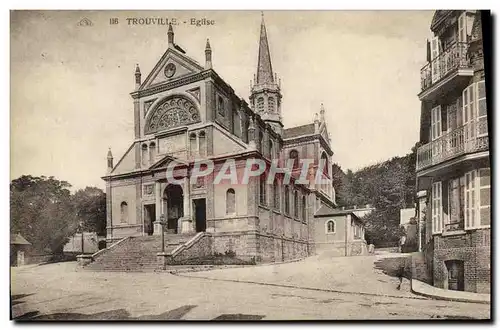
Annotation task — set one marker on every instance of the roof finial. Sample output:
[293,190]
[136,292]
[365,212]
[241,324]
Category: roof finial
[170,35]
[137,76]
[208,55]
[322,112]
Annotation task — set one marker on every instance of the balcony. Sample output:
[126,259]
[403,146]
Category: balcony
[470,138]
[451,65]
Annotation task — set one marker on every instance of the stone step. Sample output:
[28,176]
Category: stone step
[137,254]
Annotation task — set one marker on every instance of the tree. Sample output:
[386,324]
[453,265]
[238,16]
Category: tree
[42,211]
[389,186]
[90,205]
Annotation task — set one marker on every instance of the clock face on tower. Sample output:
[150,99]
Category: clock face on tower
[170,70]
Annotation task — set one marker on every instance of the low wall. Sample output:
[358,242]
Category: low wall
[419,269]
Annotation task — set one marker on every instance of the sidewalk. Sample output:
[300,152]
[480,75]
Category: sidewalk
[430,291]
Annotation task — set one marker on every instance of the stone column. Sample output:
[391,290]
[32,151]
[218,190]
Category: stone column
[158,209]
[422,206]
[186,221]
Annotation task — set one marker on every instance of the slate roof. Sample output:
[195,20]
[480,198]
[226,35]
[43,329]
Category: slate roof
[17,239]
[325,211]
[291,132]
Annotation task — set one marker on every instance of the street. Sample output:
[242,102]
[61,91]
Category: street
[358,289]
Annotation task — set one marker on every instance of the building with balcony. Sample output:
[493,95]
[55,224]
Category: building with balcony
[453,161]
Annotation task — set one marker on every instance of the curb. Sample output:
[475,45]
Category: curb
[438,297]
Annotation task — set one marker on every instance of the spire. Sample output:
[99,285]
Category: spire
[322,112]
[170,35]
[110,161]
[264,67]
[137,76]
[208,55]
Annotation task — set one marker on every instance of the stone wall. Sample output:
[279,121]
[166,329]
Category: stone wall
[200,248]
[419,269]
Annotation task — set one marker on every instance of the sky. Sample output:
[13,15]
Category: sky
[70,84]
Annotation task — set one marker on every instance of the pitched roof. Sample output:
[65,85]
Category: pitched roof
[17,239]
[291,132]
[325,210]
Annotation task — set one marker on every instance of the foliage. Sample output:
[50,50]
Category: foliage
[45,212]
[90,204]
[389,186]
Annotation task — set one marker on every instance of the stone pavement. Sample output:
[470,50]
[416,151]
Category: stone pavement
[58,291]
[369,275]
[430,291]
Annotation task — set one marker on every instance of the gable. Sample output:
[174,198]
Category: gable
[172,65]
[126,163]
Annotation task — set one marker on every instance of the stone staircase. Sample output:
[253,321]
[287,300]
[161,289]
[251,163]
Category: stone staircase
[136,254]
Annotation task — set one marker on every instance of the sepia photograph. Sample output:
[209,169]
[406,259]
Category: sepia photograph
[250,165]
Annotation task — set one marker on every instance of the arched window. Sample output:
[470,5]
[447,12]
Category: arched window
[294,154]
[271,104]
[144,154]
[296,204]
[202,143]
[276,195]
[124,212]
[230,201]
[304,208]
[324,163]
[271,148]
[287,200]
[152,152]
[260,104]
[330,226]
[262,190]
[192,144]
[221,109]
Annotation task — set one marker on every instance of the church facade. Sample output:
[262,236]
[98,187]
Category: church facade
[184,112]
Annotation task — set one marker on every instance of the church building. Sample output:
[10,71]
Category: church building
[185,112]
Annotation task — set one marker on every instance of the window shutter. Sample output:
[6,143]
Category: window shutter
[482,124]
[484,197]
[434,60]
[462,28]
[437,209]
[469,114]
[436,128]
[470,200]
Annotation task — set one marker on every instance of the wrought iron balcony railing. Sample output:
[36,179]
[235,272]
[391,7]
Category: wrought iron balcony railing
[453,58]
[472,137]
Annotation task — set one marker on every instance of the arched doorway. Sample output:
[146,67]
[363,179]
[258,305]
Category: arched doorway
[173,206]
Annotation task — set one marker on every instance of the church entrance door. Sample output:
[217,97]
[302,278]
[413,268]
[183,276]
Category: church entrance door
[149,218]
[174,199]
[200,214]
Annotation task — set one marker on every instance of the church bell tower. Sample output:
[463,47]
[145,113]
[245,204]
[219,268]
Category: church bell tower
[265,97]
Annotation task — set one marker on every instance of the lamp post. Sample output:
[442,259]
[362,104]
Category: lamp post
[81,229]
[162,223]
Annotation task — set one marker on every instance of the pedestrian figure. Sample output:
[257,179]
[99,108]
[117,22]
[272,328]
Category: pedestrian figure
[402,239]
[400,274]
